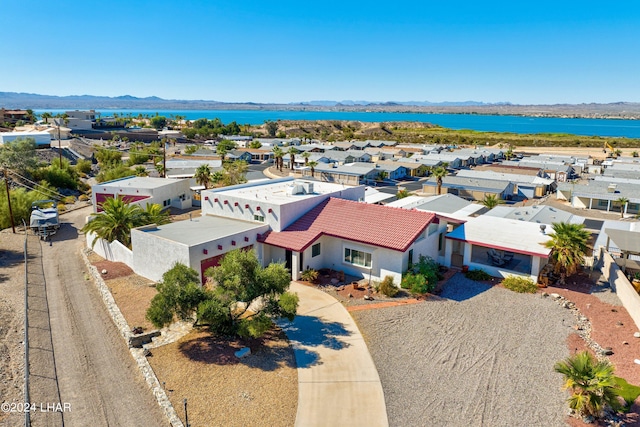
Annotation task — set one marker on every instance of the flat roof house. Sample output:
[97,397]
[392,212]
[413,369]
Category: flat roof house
[499,246]
[601,195]
[470,188]
[142,190]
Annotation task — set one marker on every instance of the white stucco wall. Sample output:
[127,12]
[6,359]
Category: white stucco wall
[282,214]
[172,191]
[153,256]
[114,251]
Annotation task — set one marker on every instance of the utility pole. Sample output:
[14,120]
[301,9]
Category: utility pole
[57,122]
[6,183]
[164,158]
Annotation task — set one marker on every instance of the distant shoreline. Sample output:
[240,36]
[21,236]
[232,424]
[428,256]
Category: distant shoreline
[609,111]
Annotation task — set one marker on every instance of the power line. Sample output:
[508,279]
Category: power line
[41,188]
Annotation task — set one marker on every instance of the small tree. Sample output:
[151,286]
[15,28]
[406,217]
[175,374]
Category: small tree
[272,127]
[224,147]
[622,201]
[439,173]
[203,175]
[591,382]
[401,194]
[179,294]
[246,296]
[490,201]
[312,165]
[568,246]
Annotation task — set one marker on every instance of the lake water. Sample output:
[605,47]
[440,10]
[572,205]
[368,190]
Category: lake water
[515,124]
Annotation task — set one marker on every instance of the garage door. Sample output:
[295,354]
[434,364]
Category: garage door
[209,262]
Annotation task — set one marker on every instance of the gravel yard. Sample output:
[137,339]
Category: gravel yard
[478,355]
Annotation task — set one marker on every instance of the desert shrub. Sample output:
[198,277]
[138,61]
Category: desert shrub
[69,200]
[520,284]
[83,197]
[83,166]
[428,268]
[477,275]
[387,287]
[417,283]
[309,275]
[62,207]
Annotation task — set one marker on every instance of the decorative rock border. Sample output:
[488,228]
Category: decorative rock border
[583,325]
[137,353]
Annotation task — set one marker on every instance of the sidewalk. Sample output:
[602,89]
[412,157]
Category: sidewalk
[338,383]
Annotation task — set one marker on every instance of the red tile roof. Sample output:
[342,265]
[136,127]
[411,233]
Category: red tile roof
[391,228]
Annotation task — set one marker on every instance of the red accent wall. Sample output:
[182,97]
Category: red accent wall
[100,198]
[214,262]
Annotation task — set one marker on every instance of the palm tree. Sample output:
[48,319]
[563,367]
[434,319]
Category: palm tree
[153,214]
[439,173]
[490,201]
[622,201]
[115,221]
[591,382]
[312,165]
[568,246]
[141,170]
[277,154]
[306,156]
[203,175]
[401,194]
[292,155]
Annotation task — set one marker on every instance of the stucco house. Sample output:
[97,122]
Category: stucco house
[142,190]
[499,246]
[361,239]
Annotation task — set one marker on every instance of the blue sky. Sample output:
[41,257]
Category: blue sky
[525,52]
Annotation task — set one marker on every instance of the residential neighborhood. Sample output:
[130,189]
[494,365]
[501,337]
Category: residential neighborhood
[366,227]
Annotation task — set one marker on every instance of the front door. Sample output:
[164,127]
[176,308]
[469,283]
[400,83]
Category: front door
[288,258]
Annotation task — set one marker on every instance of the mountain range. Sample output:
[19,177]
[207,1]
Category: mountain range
[627,110]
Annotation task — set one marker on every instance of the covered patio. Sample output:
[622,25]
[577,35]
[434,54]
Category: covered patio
[501,247]
[624,245]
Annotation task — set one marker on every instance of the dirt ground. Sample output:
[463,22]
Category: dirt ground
[11,322]
[222,390]
[595,152]
[131,292]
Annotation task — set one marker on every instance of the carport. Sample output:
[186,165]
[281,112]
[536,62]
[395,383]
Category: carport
[627,243]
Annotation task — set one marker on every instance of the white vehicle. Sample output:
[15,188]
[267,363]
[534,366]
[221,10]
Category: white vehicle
[44,219]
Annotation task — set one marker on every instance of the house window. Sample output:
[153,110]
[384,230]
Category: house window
[315,250]
[166,203]
[410,257]
[440,242]
[603,203]
[359,258]
[258,218]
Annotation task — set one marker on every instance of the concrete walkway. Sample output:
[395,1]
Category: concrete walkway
[338,384]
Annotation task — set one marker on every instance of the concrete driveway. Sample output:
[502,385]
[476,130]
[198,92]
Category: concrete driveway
[338,383]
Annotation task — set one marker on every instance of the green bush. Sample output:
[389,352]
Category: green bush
[83,166]
[417,283]
[520,284]
[387,287]
[83,197]
[309,275]
[69,200]
[477,275]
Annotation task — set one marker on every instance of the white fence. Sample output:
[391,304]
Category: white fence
[114,251]
[620,284]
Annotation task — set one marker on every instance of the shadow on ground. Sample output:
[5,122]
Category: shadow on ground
[267,353]
[459,288]
[310,331]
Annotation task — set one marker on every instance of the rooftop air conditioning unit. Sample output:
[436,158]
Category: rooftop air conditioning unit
[612,188]
[308,187]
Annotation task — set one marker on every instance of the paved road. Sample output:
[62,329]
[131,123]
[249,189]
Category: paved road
[96,373]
